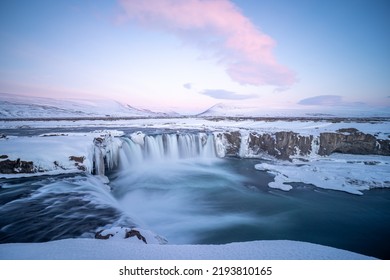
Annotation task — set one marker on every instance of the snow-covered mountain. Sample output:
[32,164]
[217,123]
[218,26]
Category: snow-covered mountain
[222,109]
[19,106]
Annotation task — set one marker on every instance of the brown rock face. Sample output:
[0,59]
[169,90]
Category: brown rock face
[234,142]
[78,162]
[135,233]
[16,166]
[99,235]
[285,144]
[281,145]
[352,142]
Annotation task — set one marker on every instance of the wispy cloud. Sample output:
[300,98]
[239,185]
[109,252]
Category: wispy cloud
[281,89]
[328,100]
[187,86]
[225,94]
[220,27]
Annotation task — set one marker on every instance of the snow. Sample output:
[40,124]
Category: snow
[304,127]
[121,249]
[51,152]
[138,138]
[18,106]
[350,173]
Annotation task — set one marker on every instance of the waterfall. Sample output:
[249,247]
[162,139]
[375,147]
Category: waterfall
[140,148]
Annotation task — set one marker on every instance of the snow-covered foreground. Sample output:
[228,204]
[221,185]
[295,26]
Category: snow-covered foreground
[93,249]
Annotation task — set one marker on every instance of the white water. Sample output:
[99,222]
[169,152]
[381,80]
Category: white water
[167,181]
[165,147]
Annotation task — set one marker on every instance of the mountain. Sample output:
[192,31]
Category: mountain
[225,110]
[19,106]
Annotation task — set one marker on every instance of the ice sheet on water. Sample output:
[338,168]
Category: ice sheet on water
[349,173]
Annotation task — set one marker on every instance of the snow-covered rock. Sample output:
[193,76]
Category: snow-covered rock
[54,153]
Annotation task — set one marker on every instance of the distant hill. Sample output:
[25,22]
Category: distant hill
[221,109]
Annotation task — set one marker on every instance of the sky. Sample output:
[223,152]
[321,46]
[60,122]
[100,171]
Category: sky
[187,55]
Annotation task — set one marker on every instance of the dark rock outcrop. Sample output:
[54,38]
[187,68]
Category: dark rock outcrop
[233,143]
[77,159]
[281,145]
[16,166]
[99,235]
[285,144]
[136,233]
[352,141]
[129,233]
[78,162]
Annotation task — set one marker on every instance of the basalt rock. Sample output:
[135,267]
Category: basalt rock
[78,162]
[352,142]
[281,145]
[285,144]
[16,166]
[99,235]
[136,233]
[233,143]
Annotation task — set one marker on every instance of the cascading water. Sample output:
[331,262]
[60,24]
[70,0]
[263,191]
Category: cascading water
[141,149]
[166,182]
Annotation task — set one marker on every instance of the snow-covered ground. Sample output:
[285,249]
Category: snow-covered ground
[93,249]
[306,127]
[53,153]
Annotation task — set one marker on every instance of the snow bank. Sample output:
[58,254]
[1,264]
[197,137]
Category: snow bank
[93,249]
[54,153]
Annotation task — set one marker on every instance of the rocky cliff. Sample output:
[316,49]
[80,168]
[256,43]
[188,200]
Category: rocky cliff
[286,144]
[352,141]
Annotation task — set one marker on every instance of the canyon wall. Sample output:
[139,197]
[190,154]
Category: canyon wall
[286,144]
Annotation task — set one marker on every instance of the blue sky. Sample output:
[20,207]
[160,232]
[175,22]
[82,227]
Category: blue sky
[189,55]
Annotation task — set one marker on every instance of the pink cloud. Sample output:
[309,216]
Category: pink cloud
[220,27]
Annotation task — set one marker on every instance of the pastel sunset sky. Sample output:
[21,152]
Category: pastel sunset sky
[187,55]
